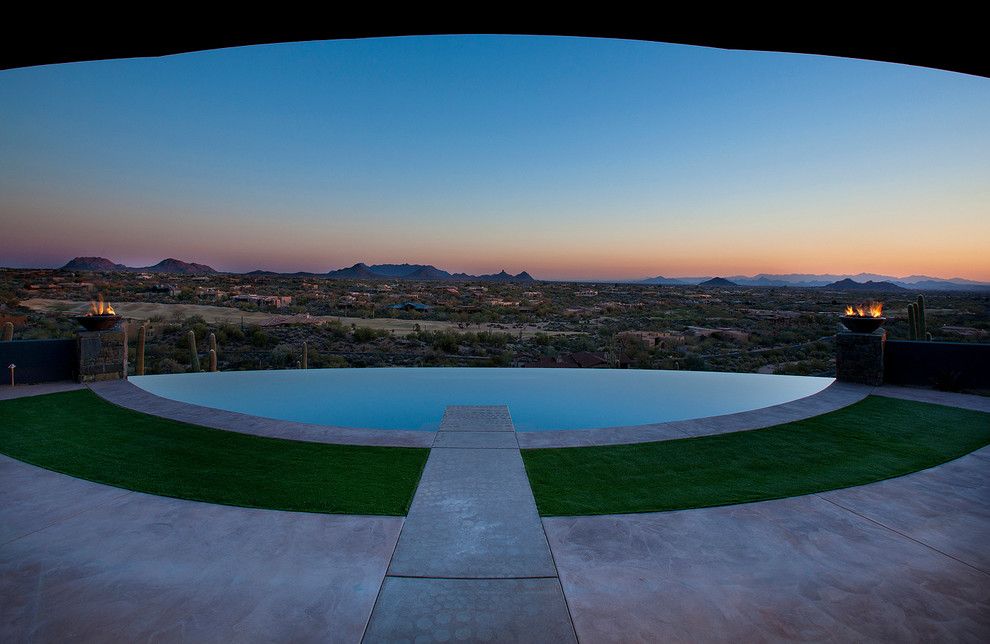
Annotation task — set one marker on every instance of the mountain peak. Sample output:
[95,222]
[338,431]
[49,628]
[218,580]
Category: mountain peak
[718,281]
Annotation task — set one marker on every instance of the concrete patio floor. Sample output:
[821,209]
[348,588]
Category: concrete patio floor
[901,559]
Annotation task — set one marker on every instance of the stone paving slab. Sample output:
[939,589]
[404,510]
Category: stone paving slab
[946,507]
[148,568]
[19,391]
[475,610]
[479,418]
[473,516]
[480,440]
[126,394]
[965,401]
[835,396]
[794,569]
[31,499]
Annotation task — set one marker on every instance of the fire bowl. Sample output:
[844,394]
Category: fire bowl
[859,324]
[98,322]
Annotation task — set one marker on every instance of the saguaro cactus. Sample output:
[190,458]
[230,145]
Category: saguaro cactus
[305,360]
[139,359]
[912,321]
[8,331]
[920,318]
[192,351]
[213,360]
[213,342]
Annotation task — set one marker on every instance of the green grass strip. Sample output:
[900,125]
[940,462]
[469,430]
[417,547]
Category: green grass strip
[874,439]
[82,435]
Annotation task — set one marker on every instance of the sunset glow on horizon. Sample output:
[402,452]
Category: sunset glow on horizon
[569,158]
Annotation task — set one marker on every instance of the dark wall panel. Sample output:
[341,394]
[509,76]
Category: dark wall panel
[38,360]
[937,364]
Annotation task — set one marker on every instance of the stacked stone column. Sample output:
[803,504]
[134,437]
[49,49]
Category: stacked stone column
[102,354]
[859,356]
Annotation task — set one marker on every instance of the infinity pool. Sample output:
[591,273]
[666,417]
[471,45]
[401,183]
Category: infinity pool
[538,399]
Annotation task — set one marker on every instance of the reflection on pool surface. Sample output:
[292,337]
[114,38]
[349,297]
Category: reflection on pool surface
[538,399]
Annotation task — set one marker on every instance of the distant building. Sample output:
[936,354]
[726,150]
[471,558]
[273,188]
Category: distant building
[61,285]
[577,360]
[276,301]
[168,289]
[662,339]
[210,292]
[735,334]
[411,306]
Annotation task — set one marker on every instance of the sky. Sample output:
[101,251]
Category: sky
[570,158]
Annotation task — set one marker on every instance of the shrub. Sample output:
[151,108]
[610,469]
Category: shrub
[367,334]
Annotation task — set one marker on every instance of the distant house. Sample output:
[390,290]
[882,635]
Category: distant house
[168,289]
[577,360]
[275,301]
[662,339]
[210,292]
[411,306]
[735,334]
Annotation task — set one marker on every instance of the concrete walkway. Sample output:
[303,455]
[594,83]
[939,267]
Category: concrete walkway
[903,559]
[472,562]
[900,560]
[81,561]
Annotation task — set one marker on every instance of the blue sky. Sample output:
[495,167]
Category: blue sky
[567,157]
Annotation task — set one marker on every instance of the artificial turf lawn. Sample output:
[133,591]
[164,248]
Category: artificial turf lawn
[874,439]
[82,435]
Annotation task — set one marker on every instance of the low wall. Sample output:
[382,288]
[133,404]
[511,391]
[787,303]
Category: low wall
[38,361]
[949,365]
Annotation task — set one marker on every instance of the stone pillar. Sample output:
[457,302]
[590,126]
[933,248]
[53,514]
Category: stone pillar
[102,354]
[859,356]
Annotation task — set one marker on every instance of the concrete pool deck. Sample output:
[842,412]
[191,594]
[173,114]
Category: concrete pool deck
[900,559]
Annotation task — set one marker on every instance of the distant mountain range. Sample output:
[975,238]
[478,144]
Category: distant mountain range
[858,282]
[862,281]
[849,285]
[420,272]
[169,265]
[358,271]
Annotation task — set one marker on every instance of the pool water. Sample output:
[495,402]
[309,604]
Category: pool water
[538,399]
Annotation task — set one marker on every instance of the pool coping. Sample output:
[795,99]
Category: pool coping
[835,396]
[130,396]
[126,394]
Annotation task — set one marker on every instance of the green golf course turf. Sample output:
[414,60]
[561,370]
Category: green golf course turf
[874,439]
[82,435]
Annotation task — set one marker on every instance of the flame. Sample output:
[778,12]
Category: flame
[869,310]
[99,308]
